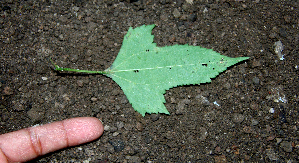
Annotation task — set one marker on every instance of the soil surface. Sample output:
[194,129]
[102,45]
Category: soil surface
[249,113]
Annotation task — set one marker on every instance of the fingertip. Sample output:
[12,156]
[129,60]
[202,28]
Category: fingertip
[82,130]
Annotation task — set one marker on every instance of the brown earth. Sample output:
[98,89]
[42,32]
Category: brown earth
[249,113]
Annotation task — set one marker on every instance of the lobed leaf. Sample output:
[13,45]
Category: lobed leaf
[144,71]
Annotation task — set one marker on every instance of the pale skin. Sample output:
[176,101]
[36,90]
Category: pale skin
[27,144]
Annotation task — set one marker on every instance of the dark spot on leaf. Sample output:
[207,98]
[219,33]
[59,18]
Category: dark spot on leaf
[147,50]
[204,64]
[213,68]
[136,71]
[170,68]
[192,71]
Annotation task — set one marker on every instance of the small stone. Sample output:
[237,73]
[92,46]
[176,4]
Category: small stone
[190,2]
[286,146]
[76,9]
[164,17]
[18,106]
[220,159]
[192,17]
[271,110]
[63,18]
[256,80]
[119,125]
[203,133]
[110,148]
[254,122]
[176,13]
[139,126]
[44,78]
[94,99]
[112,129]
[287,18]
[172,39]
[271,137]
[181,106]
[60,37]
[35,114]
[106,128]
[80,83]
[218,149]
[271,154]
[118,145]
[133,159]
[7,91]
[115,134]
[256,63]
[74,58]
[247,129]
[91,26]
[278,140]
[172,100]
[203,100]
[238,118]
[154,117]
[246,157]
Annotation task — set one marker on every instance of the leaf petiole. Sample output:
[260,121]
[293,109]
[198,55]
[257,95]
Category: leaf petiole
[57,68]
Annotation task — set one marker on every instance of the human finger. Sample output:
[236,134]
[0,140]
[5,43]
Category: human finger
[29,143]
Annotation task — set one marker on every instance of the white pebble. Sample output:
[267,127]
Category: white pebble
[272,110]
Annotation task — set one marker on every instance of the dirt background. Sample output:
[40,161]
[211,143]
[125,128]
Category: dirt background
[249,113]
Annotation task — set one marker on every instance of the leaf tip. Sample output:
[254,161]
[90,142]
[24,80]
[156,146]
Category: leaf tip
[243,58]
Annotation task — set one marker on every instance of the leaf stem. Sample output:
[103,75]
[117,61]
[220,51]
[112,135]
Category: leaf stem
[57,68]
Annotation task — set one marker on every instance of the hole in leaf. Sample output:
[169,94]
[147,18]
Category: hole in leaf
[136,71]
[204,64]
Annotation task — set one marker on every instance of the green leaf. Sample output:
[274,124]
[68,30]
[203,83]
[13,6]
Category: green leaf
[144,71]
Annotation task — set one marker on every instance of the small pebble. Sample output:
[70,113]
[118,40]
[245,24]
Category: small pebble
[271,110]
[119,125]
[176,13]
[7,91]
[44,78]
[220,159]
[139,126]
[238,118]
[203,133]
[80,83]
[254,122]
[256,80]
[286,146]
[118,145]
[271,154]
[154,117]
[115,134]
[247,129]
[133,159]
[93,99]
